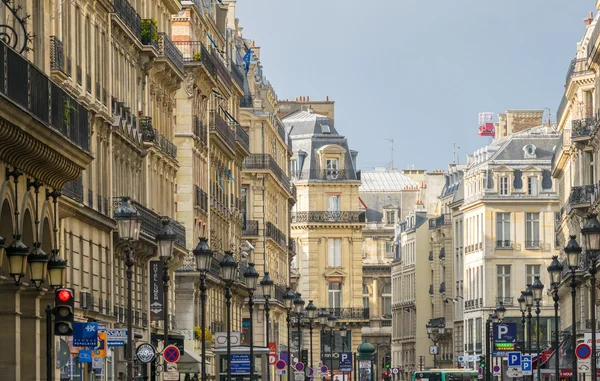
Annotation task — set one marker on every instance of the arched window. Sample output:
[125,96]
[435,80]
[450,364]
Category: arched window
[386,301]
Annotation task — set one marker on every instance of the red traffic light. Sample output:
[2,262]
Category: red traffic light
[64,295]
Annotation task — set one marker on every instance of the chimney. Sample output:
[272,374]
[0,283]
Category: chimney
[327,98]
[307,98]
[589,20]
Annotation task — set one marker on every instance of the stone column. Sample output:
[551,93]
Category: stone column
[185,301]
[30,335]
[10,333]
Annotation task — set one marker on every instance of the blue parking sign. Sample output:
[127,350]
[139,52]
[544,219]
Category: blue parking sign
[514,359]
[526,365]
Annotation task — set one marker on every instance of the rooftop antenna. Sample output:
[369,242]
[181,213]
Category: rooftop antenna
[391,140]
[456,158]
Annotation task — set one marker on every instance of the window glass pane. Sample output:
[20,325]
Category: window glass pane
[333,203]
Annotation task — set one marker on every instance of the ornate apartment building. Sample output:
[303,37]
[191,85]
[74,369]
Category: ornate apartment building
[327,227]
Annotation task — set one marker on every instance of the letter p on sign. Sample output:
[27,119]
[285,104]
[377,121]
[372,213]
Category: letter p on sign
[502,330]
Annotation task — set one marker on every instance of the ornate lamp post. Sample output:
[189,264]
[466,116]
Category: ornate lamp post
[529,299]
[591,237]
[538,290]
[555,270]
[331,324]
[298,308]
[267,289]
[203,255]
[343,334]
[251,277]
[501,311]
[573,251]
[228,269]
[166,239]
[288,303]
[488,351]
[128,225]
[523,309]
[311,313]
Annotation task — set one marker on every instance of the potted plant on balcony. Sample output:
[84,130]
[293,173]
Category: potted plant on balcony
[207,336]
[68,106]
[197,56]
[149,31]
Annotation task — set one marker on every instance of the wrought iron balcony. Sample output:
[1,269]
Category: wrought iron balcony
[200,198]
[238,74]
[504,244]
[57,55]
[442,288]
[582,196]
[74,190]
[49,103]
[167,146]
[583,129]
[221,128]
[199,130]
[222,70]
[328,217]
[246,101]
[349,313]
[250,229]
[242,137]
[506,300]
[195,53]
[275,234]
[444,219]
[325,175]
[265,161]
[132,20]
[167,48]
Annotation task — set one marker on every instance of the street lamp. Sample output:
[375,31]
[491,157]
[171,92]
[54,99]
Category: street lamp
[538,291]
[128,226]
[529,303]
[166,240]
[488,343]
[38,265]
[343,335]
[523,309]
[432,334]
[555,270]
[203,256]
[311,313]
[331,324]
[267,289]
[228,269]
[591,237]
[57,270]
[251,277]
[288,303]
[573,251]
[16,253]
[501,311]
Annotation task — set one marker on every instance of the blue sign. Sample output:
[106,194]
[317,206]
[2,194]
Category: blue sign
[526,364]
[85,355]
[85,334]
[240,363]
[514,359]
[346,362]
[505,336]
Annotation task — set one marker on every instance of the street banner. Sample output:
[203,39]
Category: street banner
[157,302]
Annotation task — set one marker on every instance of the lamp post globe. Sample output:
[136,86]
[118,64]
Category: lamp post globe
[538,288]
[228,267]
[501,310]
[57,270]
[528,296]
[298,303]
[128,220]
[166,239]
[591,233]
[331,321]
[323,317]
[203,255]
[311,310]
[267,285]
[288,298]
[555,270]
[251,277]
[494,317]
[17,259]
[573,251]
[38,265]
[343,330]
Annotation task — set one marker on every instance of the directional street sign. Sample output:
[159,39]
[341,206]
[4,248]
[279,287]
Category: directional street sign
[395,370]
[526,366]
[514,359]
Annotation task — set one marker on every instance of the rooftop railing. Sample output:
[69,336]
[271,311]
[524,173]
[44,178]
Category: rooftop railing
[328,217]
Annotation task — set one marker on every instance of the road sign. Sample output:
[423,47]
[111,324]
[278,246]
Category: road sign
[505,336]
[116,337]
[324,369]
[280,364]
[526,365]
[171,354]
[345,362]
[145,353]
[480,376]
[433,350]
[461,358]
[272,352]
[496,370]
[240,363]
[310,372]
[299,366]
[280,371]
[514,359]
[171,373]
[298,376]
[514,372]
[85,355]
[395,370]
[583,351]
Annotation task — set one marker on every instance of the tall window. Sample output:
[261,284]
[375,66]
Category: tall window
[333,203]
[386,301]
[532,186]
[332,166]
[335,252]
[335,295]
[503,185]
[365,296]
[390,217]
[531,271]
[502,229]
[503,276]
[294,168]
[478,330]
[532,233]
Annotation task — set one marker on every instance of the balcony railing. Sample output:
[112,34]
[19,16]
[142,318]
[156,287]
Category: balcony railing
[504,244]
[583,128]
[167,48]
[275,234]
[265,161]
[57,54]
[74,190]
[386,322]
[238,74]
[221,128]
[151,222]
[328,217]
[325,175]
[578,66]
[532,244]
[506,300]
[349,313]
[251,229]
[222,70]
[242,137]
[46,101]
[292,246]
[582,195]
[199,130]
[194,52]
[88,82]
[246,101]
[444,219]
[200,198]
[132,20]
[150,134]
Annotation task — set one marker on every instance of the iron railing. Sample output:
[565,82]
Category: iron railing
[68,66]
[219,126]
[194,52]
[242,137]
[532,244]
[328,217]
[250,229]
[167,48]
[88,82]
[49,103]
[79,75]
[238,74]
[582,128]
[444,219]
[74,189]
[349,313]
[582,195]
[505,300]
[504,244]
[442,288]
[265,161]
[443,253]
[90,198]
[57,54]
[431,289]
[271,231]
[578,66]
[222,70]
[246,101]
[132,20]
[200,198]
[325,175]
[199,130]
[167,146]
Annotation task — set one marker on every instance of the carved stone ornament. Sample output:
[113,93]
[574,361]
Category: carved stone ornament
[189,83]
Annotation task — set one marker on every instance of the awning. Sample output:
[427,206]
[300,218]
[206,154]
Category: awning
[189,362]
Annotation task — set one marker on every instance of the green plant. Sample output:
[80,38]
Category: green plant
[197,56]
[198,334]
[67,112]
[149,31]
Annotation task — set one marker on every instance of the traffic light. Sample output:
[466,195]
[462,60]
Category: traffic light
[387,362]
[64,311]
[386,376]
[482,362]
[304,356]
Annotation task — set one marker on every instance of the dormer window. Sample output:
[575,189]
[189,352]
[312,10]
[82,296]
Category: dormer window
[325,129]
[504,185]
[390,217]
[332,167]
[532,186]
[529,151]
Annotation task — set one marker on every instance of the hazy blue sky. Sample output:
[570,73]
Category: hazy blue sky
[417,71]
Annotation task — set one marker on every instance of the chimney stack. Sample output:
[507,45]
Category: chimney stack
[589,20]
[307,98]
[327,98]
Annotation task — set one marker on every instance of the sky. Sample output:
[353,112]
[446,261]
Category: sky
[417,71]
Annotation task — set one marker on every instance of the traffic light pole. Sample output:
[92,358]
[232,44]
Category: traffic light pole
[49,343]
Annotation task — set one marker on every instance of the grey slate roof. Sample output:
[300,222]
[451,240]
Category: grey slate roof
[384,181]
